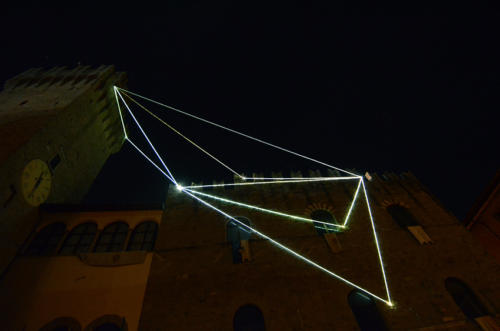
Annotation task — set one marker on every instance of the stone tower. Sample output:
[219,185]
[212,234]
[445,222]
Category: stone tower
[57,128]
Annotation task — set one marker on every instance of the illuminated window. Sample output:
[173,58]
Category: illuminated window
[144,236]
[365,311]
[324,216]
[248,317]
[112,238]
[79,239]
[465,298]
[402,216]
[47,240]
[236,234]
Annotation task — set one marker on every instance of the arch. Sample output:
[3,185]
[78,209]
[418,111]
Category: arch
[324,216]
[108,323]
[143,237]
[235,233]
[248,318]
[401,215]
[365,311]
[79,239]
[47,240]
[112,238]
[465,298]
[62,324]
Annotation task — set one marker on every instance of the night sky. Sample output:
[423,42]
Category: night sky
[374,89]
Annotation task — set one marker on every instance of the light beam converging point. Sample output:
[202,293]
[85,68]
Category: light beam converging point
[192,191]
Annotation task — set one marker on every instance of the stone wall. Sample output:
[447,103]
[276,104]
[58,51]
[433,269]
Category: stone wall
[194,285]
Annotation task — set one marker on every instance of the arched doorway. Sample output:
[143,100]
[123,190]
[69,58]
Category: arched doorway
[248,318]
[365,311]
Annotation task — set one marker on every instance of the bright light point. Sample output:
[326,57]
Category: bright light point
[243,177]
[179,187]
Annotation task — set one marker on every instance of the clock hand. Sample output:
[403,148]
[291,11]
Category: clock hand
[39,180]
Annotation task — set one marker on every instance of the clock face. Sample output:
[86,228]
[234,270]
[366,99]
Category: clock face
[35,182]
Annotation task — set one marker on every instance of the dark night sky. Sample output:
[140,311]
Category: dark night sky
[377,89]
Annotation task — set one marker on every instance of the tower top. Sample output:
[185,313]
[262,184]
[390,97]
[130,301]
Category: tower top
[30,99]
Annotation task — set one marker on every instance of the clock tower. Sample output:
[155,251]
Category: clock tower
[57,128]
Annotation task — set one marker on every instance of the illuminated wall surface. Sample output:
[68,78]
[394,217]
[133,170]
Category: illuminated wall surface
[40,289]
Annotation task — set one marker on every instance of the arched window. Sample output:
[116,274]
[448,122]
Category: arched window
[402,216]
[107,327]
[405,219]
[465,298]
[365,311]
[324,216]
[112,238]
[47,240]
[108,323]
[79,239]
[62,324]
[237,233]
[248,318]
[144,236]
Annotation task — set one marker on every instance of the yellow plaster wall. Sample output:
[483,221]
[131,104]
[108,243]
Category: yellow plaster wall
[37,290]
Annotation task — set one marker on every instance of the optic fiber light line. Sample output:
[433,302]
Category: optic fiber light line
[352,203]
[239,133]
[146,136]
[183,136]
[377,244]
[278,181]
[299,178]
[269,211]
[276,243]
[147,158]
[120,112]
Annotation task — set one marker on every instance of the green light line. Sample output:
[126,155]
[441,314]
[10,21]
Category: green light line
[269,211]
[352,203]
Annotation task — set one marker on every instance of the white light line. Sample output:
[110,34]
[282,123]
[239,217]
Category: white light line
[120,112]
[146,136]
[377,244]
[183,136]
[269,211]
[352,203]
[239,133]
[288,249]
[302,180]
[147,158]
